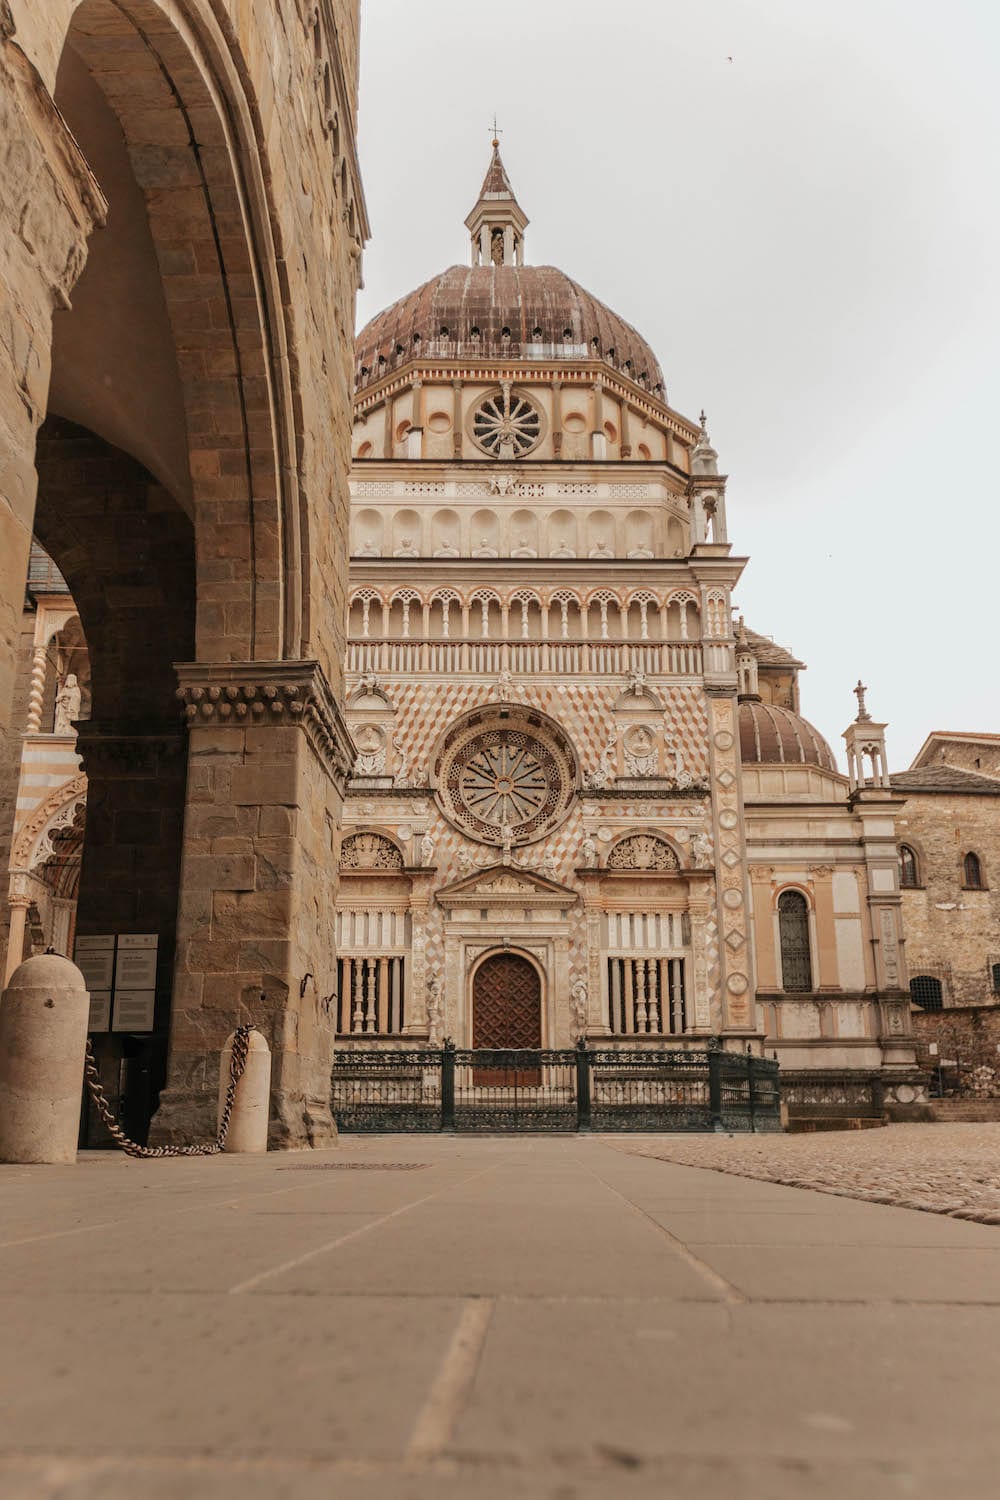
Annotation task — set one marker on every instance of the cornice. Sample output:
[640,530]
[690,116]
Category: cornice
[258,693]
[525,372]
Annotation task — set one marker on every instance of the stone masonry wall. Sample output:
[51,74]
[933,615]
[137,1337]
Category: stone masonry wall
[968,1036]
[951,932]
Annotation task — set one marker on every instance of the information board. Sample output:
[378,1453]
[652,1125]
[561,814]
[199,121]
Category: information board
[120,973]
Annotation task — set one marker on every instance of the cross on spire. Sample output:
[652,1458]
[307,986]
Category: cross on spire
[859,693]
[495,130]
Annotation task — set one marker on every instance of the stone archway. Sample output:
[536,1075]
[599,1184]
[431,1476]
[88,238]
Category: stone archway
[226,273]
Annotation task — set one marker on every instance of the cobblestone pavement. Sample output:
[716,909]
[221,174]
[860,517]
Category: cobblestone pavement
[942,1169]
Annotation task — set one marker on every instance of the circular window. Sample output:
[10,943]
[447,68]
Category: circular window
[499,779]
[506,424]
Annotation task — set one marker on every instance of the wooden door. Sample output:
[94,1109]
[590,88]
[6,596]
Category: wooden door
[507,1012]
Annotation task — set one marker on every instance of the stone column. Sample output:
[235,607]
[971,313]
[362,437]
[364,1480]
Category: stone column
[268,758]
[49,204]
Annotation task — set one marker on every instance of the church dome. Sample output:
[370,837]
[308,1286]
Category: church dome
[770,735]
[503,312]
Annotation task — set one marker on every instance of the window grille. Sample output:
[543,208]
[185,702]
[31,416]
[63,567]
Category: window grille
[647,996]
[973,872]
[372,993]
[909,875]
[793,930]
[926,992]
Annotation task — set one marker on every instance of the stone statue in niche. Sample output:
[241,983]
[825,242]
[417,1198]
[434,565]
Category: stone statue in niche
[427,847]
[503,687]
[588,851]
[496,247]
[683,778]
[368,548]
[579,1008]
[445,549]
[405,548]
[641,552]
[484,549]
[602,550]
[563,550]
[604,774]
[435,1011]
[701,848]
[400,776]
[523,548]
[370,741]
[68,701]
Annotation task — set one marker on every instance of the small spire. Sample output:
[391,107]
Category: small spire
[497,221]
[864,717]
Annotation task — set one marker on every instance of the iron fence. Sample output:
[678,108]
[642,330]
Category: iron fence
[553,1090]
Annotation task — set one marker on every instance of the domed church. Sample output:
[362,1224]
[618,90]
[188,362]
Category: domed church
[585,801]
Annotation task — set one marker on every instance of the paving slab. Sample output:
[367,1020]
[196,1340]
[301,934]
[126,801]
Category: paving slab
[559,1319]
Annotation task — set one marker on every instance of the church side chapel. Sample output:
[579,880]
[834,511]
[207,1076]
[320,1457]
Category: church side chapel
[585,803]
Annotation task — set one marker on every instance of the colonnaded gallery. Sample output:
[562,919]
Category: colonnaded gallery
[581,800]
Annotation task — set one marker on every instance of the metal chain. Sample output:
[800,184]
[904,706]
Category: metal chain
[237,1065]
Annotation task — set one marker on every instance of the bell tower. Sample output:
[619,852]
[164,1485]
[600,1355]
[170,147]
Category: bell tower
[497,221]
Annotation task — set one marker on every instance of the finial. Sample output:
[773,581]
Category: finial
[704,421]
[863,715]
[495,131]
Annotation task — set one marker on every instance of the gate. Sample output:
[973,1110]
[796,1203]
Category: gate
[489,1089]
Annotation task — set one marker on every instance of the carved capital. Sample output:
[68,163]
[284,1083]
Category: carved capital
[256,693]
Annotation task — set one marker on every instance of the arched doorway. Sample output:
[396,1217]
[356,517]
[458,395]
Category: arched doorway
[506,1002]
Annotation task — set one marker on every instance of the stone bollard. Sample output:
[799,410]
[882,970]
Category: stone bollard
[251,1107]
[43,1036]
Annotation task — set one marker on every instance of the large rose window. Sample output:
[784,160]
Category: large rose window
[503,781]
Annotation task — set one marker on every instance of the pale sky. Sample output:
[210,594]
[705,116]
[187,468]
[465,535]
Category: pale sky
[808,236]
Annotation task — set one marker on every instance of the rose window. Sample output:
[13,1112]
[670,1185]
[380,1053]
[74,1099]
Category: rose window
[506,425]
[502,783]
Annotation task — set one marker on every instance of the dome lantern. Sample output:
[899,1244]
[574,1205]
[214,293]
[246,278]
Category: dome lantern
[497,221]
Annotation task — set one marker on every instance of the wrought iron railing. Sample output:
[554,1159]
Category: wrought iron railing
[552,1089]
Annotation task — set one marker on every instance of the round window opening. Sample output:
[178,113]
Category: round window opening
[506,424]
[501,782]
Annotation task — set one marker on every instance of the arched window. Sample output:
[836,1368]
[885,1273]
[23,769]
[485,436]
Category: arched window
[909,875]
[972,872]
[926,992]
[793,930]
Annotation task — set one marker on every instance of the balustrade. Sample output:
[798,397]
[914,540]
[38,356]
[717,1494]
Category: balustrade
[487,658]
